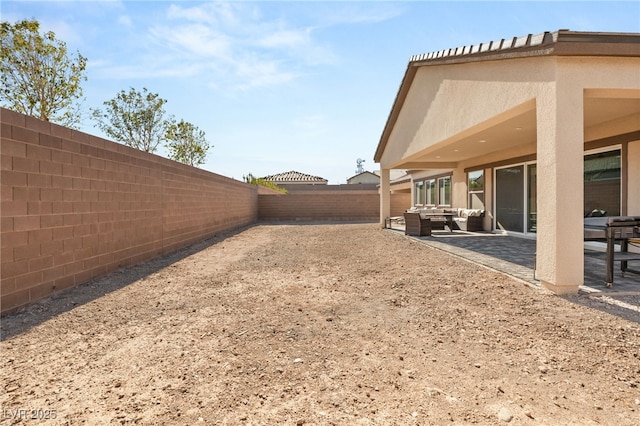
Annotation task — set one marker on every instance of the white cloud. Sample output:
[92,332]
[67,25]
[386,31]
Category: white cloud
[286,38]
[310,122]
[238,42]
[215,13]
[198,39]
[125,21]
[236,45]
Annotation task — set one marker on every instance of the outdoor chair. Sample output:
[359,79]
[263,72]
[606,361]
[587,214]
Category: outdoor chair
[415,225]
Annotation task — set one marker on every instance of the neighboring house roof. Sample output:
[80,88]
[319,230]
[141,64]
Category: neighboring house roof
[364,175]
[404,178]
[293,177]
[559,43]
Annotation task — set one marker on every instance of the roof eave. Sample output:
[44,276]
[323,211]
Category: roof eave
[559,43]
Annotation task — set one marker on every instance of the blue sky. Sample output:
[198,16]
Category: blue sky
[280,86]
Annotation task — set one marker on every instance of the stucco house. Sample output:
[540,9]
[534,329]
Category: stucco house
[539,131]
[364,177]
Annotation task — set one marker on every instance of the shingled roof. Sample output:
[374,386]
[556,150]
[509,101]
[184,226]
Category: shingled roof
[294,177]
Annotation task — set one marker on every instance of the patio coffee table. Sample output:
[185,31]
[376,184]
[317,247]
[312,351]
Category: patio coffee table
[448,218]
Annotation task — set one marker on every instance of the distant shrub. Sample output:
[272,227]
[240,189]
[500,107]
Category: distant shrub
[251,179]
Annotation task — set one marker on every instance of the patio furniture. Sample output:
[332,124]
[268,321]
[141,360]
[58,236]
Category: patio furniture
[416,225]
[439,218]
[388,222]
[610,230]
[470,220]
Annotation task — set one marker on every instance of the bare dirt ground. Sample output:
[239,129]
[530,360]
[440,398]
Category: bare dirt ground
[317,324]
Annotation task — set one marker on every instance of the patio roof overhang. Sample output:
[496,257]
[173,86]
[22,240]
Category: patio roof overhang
[604,109]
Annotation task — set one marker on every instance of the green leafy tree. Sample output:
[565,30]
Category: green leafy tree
[186,143]
[251,179]
[38,77]
[134,118]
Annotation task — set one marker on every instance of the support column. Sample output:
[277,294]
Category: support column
[633,179]
[385,195]
[560,187]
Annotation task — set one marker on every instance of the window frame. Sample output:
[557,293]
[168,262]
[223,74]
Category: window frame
[470,192]
[430,191]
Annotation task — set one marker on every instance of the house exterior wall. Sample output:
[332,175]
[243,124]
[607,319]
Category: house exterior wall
[503,89]
[633,167]
[364,178]
[75,206]
[455,92]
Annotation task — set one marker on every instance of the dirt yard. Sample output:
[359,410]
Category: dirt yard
[322,325]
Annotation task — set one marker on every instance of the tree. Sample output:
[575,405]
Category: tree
[252,180]
[38,77]
[134,119]
[186,143]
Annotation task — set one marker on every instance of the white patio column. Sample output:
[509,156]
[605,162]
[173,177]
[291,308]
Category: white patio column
[560,187]
[385,195]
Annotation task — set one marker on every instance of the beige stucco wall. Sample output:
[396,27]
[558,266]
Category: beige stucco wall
[501,89]
[364,178]
[444,101]
[633,198]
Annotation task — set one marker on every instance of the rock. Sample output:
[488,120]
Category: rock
[433,391]
[504,415]
[297,361]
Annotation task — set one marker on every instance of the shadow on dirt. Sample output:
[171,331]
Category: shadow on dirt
[38,312]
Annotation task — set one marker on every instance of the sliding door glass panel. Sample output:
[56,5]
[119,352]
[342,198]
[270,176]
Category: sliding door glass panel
[602,184]
[531,198]
[510,199]
[431,192]
[419,193]
[444,191]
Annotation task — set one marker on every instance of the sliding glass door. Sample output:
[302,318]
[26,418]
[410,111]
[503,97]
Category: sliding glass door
[510,198]
[515,198]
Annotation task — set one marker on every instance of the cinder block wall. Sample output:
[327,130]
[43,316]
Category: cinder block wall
[74,206]
[328,205]
[400,201]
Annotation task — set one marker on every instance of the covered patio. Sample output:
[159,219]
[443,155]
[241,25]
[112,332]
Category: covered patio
[538,131]
[515,256]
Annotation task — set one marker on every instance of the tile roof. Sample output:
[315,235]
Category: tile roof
[528,40]
[294,177]
[542,43]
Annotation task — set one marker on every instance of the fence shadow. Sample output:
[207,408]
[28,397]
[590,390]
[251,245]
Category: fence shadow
[29,316]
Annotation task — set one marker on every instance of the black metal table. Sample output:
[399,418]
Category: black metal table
[612,229]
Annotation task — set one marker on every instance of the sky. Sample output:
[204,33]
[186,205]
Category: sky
[286,86]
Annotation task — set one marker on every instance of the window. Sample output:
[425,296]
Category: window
[432,192]
[476,189]
[602,173]
[444,191]
[419,193]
